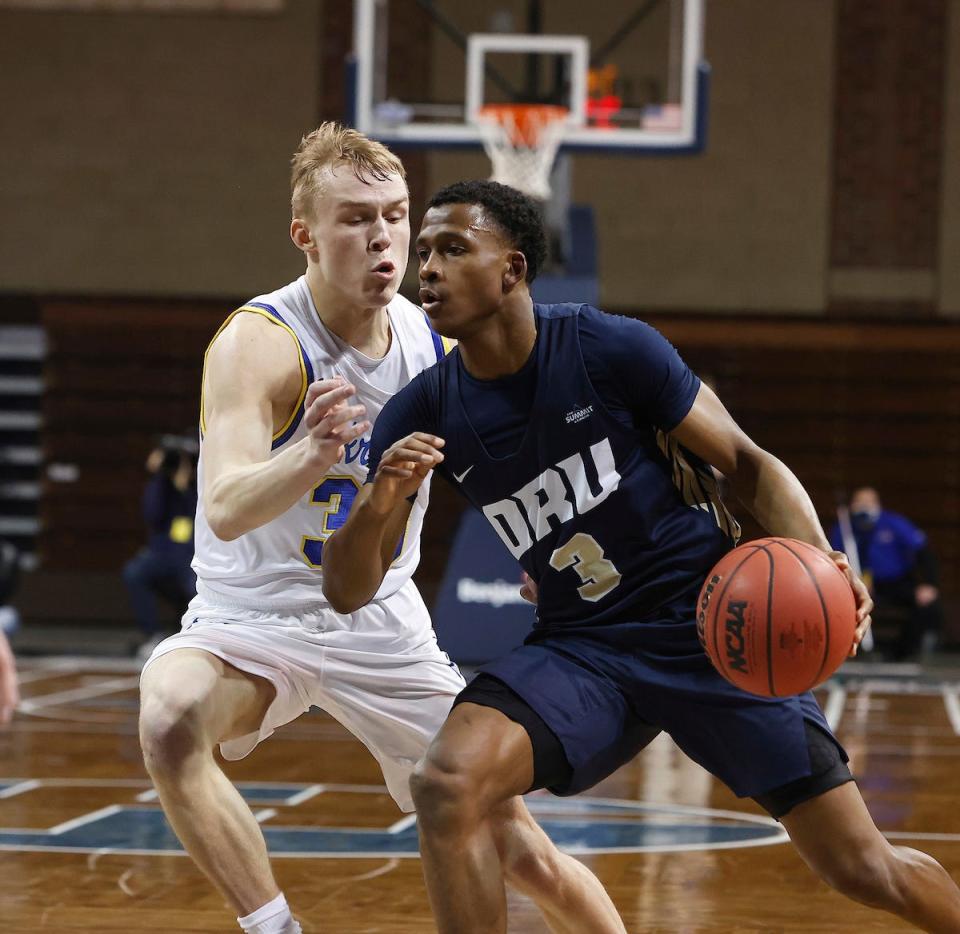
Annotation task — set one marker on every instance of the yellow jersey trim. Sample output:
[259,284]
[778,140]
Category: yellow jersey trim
[303,368]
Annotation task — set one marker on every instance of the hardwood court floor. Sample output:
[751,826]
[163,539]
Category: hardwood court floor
[83,846]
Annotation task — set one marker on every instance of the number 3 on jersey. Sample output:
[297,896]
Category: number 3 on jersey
[334,496]
[599,574]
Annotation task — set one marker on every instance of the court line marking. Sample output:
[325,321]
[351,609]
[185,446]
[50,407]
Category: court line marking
[264,814]
[909,752]
[558,806]
[921,835]
[31,675]
[122,883]
[146,783]
[96,854]
[773,839]
[566,805]
[64,719]
[951,700]
[779,836]
[889,686]
[356,789]
[93,782]
[310,792]
[49,721]
[896,669]
[389,866]
[91,663]
[571,812]
[18,789]
[406,821]
[110,686]
[836,702]
[150,794]
[108,811]
[861,705]
[878,726]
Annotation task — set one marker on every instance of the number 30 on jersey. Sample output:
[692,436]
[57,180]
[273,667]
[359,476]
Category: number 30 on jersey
[334,496]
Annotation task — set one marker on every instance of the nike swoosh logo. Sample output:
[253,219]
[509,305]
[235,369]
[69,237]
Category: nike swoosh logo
[461,477]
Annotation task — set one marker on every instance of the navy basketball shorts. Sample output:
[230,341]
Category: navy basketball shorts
[590,707]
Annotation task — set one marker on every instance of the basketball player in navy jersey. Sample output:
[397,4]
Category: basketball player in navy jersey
[585,441]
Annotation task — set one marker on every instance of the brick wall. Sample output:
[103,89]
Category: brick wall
[887,155]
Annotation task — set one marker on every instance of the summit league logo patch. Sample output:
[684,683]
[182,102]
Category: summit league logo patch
[577,415]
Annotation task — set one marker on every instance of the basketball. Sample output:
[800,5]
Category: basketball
[776,617]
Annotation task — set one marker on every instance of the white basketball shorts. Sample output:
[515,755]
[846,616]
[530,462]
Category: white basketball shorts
[378,671]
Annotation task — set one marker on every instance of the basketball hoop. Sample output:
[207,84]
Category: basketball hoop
[522,141]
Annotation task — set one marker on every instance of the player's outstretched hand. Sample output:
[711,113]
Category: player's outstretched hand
[528,588]
[860,594]
[331,423]
[403,467]
[9,692]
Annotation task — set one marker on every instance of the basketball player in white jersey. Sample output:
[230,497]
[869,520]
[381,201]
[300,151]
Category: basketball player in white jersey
[292,382]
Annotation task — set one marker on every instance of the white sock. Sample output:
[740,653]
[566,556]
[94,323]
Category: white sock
[272,918]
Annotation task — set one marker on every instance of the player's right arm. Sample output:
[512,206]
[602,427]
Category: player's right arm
[358,555]
[252,382]
[356,559]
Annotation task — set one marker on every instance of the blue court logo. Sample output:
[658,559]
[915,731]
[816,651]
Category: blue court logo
[582,826]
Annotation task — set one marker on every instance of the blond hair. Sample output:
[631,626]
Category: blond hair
[329,145]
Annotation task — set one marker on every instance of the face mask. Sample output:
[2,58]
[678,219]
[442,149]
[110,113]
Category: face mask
[865,517]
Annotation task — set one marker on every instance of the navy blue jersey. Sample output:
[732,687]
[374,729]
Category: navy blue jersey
[615,521]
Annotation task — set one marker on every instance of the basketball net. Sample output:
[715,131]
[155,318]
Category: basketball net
[522,142]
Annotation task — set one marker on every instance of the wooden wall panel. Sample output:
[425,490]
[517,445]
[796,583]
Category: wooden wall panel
[118,375]
[842,403]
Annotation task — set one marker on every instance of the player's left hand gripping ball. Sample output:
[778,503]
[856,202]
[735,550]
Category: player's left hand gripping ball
[860,594]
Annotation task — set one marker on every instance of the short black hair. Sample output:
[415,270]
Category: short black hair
[517,215]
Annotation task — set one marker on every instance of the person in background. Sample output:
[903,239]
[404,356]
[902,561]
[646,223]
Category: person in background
[9,579]
[9,690]
[899,568]
[162,567]
[9,575]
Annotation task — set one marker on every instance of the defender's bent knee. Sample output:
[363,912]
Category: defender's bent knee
[171,730]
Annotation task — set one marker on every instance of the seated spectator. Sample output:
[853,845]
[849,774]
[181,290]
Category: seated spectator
[162,568]
[900,570]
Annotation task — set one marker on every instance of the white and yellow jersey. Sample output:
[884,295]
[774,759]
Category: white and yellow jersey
[280,564]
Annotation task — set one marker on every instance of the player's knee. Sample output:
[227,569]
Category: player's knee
[867,876]
[171,730]
[445,799]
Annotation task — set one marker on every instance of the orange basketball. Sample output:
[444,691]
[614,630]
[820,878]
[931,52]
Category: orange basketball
[776,616]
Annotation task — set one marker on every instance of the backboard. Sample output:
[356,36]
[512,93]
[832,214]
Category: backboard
[630,74]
